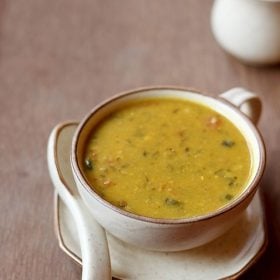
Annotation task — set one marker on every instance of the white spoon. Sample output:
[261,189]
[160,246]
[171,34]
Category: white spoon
[92,237]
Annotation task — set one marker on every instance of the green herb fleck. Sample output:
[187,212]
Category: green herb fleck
[232,181]
[228,143]
[225,173]
[228,196]
[88,164]
[172,202]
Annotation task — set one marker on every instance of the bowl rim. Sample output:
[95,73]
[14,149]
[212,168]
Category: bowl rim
[248,193]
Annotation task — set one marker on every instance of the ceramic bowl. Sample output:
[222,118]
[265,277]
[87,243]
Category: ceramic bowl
[173,234]
[248,29]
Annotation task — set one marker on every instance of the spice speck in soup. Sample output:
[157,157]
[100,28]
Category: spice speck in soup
[167,158]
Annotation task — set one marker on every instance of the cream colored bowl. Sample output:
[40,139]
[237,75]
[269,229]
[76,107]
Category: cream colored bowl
[248,29]
[173,234]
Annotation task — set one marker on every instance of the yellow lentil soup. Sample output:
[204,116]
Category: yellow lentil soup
[167,158]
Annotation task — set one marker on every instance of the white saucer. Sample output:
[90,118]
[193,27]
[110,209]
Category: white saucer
[224,258]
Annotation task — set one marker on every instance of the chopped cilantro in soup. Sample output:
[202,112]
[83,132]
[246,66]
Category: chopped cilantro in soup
[167,158]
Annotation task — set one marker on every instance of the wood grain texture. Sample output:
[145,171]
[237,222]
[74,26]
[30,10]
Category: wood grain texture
[58,58]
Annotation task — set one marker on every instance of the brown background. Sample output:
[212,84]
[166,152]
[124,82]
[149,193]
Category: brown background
[58,58]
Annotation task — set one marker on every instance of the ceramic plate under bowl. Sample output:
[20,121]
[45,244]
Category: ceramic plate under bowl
[224,258]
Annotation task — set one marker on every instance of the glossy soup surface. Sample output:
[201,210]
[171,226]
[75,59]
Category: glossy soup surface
[167,158]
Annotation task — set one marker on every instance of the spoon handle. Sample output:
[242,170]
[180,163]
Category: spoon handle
[92,237]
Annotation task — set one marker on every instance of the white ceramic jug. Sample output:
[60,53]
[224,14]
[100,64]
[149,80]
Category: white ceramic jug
[248,29]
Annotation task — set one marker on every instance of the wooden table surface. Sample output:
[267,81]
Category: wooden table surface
[59,58]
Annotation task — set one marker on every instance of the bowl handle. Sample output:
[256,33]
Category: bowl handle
[246,101]
[92,237]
